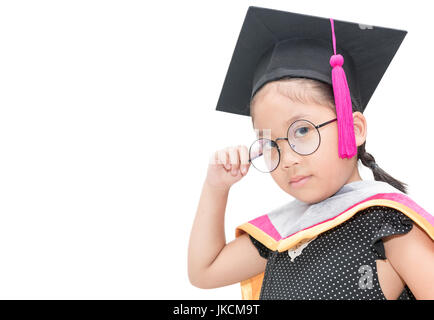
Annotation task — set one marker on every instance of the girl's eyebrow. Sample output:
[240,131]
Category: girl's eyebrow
[288,122]
[297,116]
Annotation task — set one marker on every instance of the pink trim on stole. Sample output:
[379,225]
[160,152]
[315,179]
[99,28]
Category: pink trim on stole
[407,201]
[264,223]
[403,199]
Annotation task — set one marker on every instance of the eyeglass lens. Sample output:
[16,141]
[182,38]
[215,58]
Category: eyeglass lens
[303,138]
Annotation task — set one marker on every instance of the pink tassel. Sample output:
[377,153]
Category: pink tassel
[347,139]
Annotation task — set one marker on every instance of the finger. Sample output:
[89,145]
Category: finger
[257,149]
[234,159]
[244,158]
[223,158]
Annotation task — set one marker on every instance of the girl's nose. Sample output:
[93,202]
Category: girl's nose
[288,157]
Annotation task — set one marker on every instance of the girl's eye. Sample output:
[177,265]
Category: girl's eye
[301,131]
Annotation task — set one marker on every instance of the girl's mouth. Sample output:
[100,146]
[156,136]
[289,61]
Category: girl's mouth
[299,183]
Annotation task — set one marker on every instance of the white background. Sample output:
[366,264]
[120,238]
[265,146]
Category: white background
[107,122]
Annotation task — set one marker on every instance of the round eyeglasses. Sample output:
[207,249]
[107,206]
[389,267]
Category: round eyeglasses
[303,137]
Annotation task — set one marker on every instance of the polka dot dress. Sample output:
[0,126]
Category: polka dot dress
[339,263]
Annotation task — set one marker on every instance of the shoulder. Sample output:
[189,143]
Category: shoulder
[412,256]
[263,251]
[411,244]
[378,222]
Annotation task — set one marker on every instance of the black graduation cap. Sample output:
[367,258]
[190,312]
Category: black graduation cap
[273,44]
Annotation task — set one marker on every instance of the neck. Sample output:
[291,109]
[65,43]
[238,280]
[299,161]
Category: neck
[355,176]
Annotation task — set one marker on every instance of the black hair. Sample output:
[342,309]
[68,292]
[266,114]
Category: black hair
[379,174]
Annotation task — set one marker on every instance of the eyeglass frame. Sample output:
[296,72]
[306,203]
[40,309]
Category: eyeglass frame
[287,139]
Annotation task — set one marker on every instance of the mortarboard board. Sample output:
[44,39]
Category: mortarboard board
[272,44]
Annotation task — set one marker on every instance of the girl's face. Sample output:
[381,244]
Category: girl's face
[328,173]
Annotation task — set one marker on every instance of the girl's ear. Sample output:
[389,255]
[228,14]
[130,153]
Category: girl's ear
[360,127]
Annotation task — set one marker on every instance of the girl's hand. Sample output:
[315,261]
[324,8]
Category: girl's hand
[228,166]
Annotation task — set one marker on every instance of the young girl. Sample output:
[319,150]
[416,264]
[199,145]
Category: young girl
[341,237]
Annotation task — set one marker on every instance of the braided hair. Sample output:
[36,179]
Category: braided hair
[379,174]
